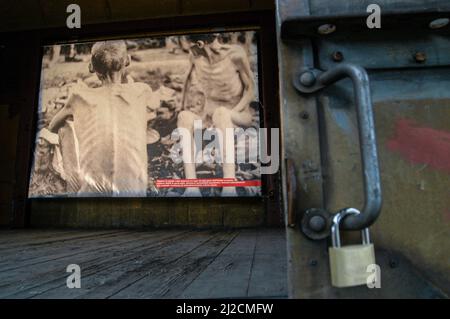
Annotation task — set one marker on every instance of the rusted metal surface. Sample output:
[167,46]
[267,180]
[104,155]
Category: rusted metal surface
[300,141]
[417,201]
[291,193]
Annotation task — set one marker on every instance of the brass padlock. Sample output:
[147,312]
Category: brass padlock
[348,264]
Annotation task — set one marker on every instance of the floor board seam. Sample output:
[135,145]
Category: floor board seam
[252,264]
[185,288]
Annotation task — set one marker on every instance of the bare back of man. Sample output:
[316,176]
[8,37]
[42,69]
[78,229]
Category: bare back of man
[110,126]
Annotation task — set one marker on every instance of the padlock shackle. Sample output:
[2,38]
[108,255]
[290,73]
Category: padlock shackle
[365,236]
[335,233]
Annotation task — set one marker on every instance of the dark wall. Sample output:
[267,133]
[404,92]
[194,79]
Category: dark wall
[8,137]
[19,90]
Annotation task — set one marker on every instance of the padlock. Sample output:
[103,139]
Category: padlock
[348,264]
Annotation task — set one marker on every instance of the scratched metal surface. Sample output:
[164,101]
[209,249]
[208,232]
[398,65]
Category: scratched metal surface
[412,116]
[292,8]
[382,50]
[341,7]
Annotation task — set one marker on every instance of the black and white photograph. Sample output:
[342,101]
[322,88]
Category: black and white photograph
[110,110]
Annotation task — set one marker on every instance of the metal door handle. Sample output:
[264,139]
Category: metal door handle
[311,81]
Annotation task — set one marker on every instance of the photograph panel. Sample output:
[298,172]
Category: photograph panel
[149,117]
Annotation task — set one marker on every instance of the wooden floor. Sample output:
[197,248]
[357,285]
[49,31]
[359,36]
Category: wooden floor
[144,264]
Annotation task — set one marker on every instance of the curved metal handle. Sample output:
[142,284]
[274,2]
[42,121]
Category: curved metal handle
[312,80]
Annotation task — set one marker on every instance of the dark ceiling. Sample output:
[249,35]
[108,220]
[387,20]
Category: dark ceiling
[36,14]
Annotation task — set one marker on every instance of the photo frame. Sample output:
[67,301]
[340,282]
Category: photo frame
[84,159]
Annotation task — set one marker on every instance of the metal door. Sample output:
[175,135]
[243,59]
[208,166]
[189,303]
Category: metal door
[407,63]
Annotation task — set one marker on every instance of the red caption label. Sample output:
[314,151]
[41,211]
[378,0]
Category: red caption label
[205,182]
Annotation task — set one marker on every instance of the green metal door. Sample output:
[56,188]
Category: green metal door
[407,61]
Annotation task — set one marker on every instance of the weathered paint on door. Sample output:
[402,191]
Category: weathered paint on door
[412,116]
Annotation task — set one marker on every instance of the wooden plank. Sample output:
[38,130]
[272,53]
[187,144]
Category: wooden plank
[229,274]
[57,250]
[179,271]
[30,281]
[13,236]
[53,238]
[269,272]
[20,254]
[106,281]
